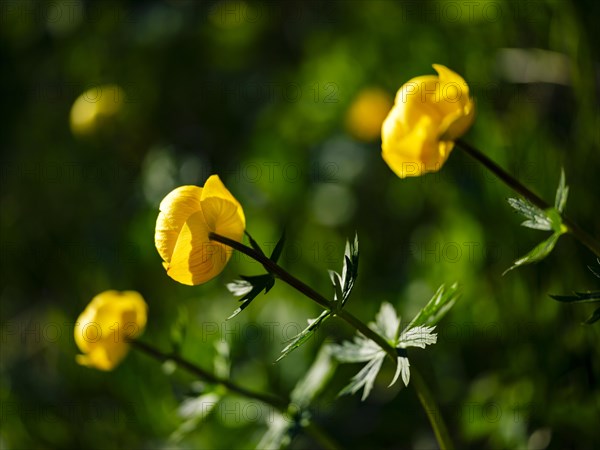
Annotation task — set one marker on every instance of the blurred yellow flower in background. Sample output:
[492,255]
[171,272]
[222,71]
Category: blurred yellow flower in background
[187,215]
[430,112]
[95,106]
[367,112]
[103,328]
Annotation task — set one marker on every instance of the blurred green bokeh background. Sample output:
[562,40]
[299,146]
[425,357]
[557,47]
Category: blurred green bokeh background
[259,93]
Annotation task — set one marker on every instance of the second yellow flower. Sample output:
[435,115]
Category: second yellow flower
[187,215]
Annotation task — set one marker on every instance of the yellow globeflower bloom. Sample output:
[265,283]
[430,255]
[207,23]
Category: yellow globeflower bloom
[367,112]
[94,106]
[429,114]
[187,215]
[103,328]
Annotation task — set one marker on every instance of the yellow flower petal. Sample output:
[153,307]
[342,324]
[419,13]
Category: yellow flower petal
[429,114]
[196,259]
[104,327]
[214,188]
[175,209]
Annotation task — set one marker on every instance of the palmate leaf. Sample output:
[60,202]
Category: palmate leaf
[548,220]
[365,378]
[536,217]
[248,288]
[387,325]
[304,335]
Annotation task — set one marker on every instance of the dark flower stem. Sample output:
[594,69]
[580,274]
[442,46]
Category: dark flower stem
[431,409]
[309,292]
[579,234]
[276,402]
[425,397]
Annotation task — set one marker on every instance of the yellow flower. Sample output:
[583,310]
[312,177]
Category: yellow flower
[94,107]
[429,114]
[103,328]
[367,112]
[187,215]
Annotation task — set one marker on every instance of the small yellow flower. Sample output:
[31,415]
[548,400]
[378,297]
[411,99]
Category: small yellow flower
[367,112]
[187,215]
[103,328]
[429,114]
[94,107]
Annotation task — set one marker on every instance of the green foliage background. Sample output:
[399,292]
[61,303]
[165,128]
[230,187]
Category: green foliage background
[257,93]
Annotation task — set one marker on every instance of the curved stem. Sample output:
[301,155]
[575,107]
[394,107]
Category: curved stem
[579,234]
[423,392]
[432,411]
[309,292]
[276,402]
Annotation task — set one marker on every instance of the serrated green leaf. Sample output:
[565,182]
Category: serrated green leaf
[249,287]
[319,374]
[304,335]
[278,249]
[594,317]
[365,378]
[436,308]
[536,217]
[538,253]
[578,297]
[562,193]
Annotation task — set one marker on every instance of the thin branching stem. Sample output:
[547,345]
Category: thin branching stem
[279,403]
[577,232]
[309,292]
[423,392]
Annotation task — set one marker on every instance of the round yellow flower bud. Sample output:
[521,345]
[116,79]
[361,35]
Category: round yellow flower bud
[94,106]
[430,112]
[187,215]
[367,112]
[104,327]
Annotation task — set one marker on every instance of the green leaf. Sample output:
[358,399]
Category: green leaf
[344,283]
[538,253]
[304,335]
[319,374]
[366,377]
[578,297]
[195,411]
[278,435]
[536,217]
[562,193]
[278,249]
[437,307]
[594,317]
[254,244]
[249,287]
